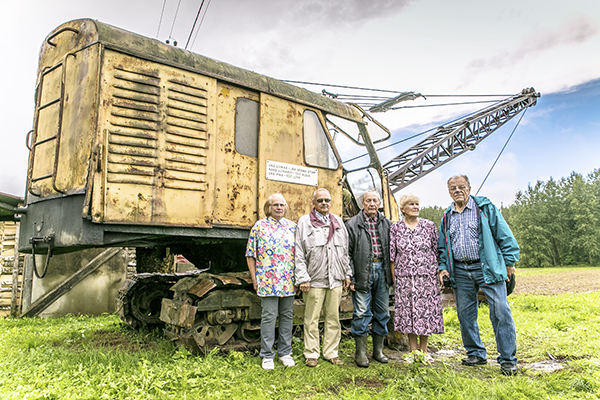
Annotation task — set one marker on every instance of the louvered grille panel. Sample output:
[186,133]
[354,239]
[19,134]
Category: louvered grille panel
[134,121]
[186,144]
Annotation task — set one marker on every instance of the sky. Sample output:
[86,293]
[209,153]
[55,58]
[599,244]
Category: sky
[429,46]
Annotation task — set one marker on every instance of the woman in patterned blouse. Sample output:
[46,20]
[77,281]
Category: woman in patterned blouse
[270,257]
[414,264]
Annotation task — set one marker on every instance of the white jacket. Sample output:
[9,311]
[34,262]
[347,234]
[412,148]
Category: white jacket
[323,264]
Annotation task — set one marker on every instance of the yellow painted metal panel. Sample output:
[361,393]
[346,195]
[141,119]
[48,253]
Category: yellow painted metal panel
[281,140]
[157,147]
[236,174]
[79,120]
[45,133]
[65,122]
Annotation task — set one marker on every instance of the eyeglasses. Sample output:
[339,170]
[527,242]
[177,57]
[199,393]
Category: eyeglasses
[323,200]
[453,188]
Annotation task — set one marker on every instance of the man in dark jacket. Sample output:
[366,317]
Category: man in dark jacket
[369,250]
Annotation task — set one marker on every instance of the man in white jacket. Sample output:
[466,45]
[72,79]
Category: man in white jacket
[322,270]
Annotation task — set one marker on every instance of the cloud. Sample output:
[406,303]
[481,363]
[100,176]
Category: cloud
[574,32]
[279,35]
[342,13]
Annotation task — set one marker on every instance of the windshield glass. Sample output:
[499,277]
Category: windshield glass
[362,181]
[348,142]
[317,150]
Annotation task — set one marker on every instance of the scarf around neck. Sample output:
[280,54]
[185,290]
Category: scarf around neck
[333,224]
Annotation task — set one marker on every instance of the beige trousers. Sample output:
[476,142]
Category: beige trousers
[328,300]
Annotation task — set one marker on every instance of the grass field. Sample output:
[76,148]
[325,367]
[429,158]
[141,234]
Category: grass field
[99,358]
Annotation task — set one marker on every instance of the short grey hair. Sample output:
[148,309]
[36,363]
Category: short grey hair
[267,205]
[466,178]
[320,190]
[370,191]
[405,199]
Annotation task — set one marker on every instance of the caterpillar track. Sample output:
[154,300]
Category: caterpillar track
[197,310]
[140,298]
[202,311]
[209,311]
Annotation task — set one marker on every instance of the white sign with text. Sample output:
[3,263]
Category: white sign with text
[278,171]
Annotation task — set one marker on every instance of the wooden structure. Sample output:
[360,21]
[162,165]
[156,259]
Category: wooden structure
[11,273]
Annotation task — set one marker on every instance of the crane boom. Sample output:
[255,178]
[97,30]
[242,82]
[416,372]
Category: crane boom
[450,141]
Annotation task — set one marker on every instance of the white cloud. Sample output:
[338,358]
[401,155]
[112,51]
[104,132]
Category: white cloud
[432,47]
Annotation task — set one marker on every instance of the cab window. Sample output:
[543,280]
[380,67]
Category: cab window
[246,127]
[317,149]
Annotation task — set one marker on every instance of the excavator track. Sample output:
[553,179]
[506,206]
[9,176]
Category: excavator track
[140,297]
[208,311]
[201,311]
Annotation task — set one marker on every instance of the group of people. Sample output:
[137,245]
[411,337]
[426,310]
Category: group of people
[321,255]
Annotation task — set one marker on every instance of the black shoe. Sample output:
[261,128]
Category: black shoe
[508,369]
[473,360]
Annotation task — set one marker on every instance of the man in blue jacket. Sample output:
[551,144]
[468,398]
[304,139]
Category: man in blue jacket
[478,251]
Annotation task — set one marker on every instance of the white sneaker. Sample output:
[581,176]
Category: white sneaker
[288,361]
[267,363]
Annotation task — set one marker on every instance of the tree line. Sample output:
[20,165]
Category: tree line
[556,222]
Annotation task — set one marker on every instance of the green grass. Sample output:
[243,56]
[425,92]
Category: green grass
[547,271]
[99,358]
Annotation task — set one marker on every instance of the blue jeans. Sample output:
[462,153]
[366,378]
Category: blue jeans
[379,295]
[469,278]
[271,306]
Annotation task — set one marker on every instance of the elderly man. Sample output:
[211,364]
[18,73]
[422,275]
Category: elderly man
[479,251]
[321,271]
[369,236]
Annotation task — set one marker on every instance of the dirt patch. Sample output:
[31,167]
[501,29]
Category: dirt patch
[369,383]
[581,281]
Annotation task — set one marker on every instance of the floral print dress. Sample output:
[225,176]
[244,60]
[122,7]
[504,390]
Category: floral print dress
[272,244]
[418,305]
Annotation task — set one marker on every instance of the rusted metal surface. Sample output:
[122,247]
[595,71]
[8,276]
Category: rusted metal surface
[236,175]
[158,135]
[178,313]
[147,133]
[64,122]
[281,139]
[202,287]
[229,280]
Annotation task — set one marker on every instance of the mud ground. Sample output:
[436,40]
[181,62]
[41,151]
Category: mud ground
[582,281]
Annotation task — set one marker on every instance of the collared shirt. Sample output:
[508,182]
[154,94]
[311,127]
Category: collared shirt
[272,244]
[375,241]
[464,232]
[324,218]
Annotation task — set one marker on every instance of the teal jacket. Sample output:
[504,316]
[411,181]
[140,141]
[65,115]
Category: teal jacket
[498,247]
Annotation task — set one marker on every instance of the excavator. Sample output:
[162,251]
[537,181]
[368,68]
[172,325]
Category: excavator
[139,144]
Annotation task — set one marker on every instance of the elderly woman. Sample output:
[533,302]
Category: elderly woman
[414,264]
[270,259]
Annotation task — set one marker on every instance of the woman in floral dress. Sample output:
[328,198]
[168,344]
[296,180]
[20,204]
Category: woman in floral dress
[414,264]
[270,258]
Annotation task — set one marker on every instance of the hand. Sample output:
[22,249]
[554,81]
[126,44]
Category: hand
[510,271]
[255,285]
[352,288]
[441,276]
[305,287]
[346,283]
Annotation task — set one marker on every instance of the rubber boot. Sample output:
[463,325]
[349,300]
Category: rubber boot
[360,357]
[378,349]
